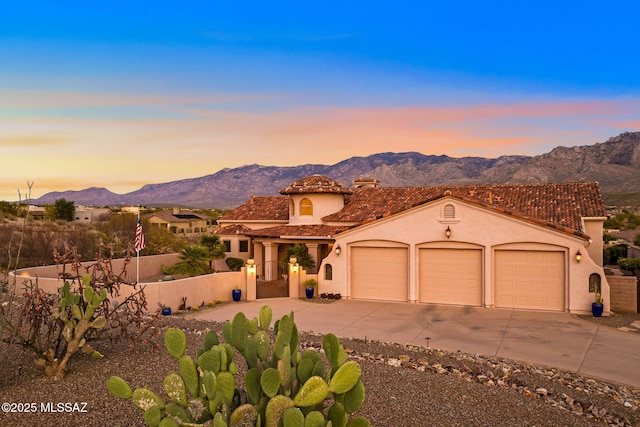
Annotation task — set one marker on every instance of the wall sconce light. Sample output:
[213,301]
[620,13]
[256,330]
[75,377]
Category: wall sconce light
[295,268]
[448,232]
[338,250]
[578,256]
[252,269]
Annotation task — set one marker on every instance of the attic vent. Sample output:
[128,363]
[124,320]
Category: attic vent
[449,211]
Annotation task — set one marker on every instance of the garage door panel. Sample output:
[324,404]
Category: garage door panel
[530,279]
[450,276]
[379,273]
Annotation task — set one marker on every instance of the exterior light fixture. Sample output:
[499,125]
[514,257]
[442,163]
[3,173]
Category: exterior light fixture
[295,268]
[578,256]
[251,267]
[448,232]
[338,250]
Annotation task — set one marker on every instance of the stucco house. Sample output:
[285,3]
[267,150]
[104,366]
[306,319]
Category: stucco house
[179,221]
[527,246]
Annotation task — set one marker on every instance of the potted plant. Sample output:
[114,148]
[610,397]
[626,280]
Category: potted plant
[236,294]
[309,287]
[597,307]
[166,310]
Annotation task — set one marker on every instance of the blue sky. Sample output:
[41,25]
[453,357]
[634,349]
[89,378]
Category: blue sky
[120,94]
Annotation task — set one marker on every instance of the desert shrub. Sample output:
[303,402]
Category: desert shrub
[283,385]
[613,253]
[629,264]
[234,264]
[86,308]
[194,262]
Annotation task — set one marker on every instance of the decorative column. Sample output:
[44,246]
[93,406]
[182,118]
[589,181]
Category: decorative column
[250,279]
[294,278]
[312,248]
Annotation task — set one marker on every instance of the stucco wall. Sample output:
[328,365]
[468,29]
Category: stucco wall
[206,288]
[150,266]
[624,293]
[472,225]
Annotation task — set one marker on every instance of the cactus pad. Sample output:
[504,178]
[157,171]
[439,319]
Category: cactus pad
[153,416]
[312,392]
[144,399]
[175,389]
[275,410]
[265,317]
[244,416]
[175,342]
[293,417]
[119,387]
[354,398]
[270,381]
[345,377]
[189,374]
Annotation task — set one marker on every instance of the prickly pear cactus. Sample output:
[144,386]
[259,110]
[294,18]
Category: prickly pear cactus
[283,386]
[77,317]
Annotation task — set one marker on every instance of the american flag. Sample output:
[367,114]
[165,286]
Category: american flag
[139,245]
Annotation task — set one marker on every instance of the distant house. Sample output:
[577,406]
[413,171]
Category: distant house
[179,221]
[526,246]
[36,212]
[90,214]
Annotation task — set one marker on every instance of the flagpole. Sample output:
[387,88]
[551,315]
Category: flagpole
[138,255]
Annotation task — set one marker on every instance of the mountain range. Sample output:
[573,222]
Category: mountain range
[615,164]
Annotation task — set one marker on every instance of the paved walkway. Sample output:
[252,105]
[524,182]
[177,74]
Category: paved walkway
[550,339]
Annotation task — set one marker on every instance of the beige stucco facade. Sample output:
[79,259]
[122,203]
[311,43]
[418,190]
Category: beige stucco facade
[473,228]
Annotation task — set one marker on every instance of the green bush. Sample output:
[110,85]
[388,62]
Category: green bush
[613,253]
[630,264]
[283,386]
[234,264]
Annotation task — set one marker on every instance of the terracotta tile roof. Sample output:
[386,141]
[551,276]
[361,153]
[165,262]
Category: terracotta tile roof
[315,184]
[232,229]
[312,230]
[260,208]
[561,204]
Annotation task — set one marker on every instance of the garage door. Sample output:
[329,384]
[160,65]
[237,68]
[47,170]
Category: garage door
[379,273]
[530,279]
[451,276]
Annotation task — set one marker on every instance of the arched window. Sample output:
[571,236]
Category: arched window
[449,211]
[306,207]
[328,272]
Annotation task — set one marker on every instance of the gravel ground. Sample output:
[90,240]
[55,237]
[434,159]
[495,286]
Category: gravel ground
[405,386]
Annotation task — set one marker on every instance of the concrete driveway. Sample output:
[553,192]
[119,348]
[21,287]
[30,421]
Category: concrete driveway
[551,339]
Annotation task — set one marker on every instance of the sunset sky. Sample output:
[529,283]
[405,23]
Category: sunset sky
[121,94]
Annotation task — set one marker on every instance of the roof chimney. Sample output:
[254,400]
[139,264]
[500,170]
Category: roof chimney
[366,182]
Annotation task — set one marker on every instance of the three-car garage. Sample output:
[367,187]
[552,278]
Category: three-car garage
[523,279]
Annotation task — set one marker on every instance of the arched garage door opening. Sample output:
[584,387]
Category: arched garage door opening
[450,276]
[379,273]
[530,279]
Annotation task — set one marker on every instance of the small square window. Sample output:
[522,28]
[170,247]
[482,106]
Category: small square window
[227,245]
[244,246]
